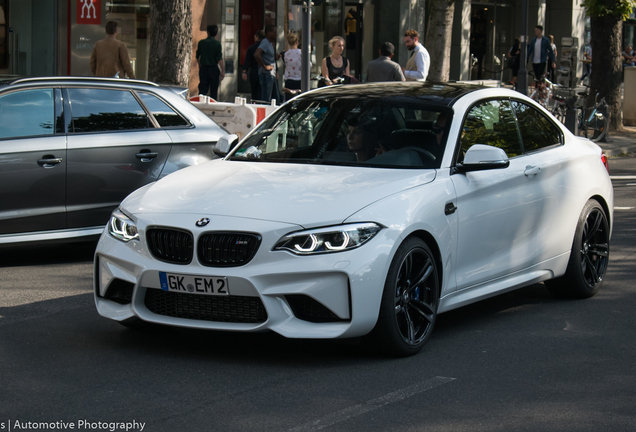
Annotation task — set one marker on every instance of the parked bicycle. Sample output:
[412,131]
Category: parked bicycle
[594,124]
[543,89]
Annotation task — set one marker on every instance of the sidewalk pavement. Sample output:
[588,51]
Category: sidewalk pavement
[620,143]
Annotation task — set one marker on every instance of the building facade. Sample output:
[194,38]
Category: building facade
[56,37]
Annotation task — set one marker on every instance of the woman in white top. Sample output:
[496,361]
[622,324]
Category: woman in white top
[293,66]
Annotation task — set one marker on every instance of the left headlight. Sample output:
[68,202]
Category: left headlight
[331,239]
[122,227]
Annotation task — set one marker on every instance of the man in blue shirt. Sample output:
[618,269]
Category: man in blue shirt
[540,51]
[266,57]
[210,58]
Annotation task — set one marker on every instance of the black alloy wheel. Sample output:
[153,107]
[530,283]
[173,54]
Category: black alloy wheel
[589,257]
[410,300]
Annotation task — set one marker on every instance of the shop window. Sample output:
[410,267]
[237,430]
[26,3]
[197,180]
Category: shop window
[132,17]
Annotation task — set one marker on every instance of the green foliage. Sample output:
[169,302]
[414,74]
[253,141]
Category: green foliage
[601,8]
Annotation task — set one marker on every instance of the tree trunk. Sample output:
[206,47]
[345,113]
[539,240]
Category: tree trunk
[439,38]
[607,66]
[170,41]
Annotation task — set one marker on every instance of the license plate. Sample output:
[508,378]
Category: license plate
[203,285]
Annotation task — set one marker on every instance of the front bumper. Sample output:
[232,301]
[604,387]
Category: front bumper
[347,285]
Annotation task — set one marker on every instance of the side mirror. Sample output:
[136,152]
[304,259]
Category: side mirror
[225,144]
[483,157]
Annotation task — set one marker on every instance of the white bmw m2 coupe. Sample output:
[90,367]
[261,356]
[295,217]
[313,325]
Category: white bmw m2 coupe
[364,209]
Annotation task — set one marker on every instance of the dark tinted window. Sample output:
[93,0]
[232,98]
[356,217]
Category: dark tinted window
[491,123]
[537,131]
[105,110]
[372,132]
[27,113]
[165,115]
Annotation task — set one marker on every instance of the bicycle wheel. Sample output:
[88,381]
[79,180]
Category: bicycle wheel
[559,112]
[598,127]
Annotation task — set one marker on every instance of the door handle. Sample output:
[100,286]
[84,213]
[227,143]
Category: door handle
[49,161]
[450,208]
[532,170]
[146,155]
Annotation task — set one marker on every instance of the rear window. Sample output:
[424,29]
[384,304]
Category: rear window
[165,116]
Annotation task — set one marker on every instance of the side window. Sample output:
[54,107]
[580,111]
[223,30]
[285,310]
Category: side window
[95,110]
[537,131]
[165,116]
[27,113]
[492,123]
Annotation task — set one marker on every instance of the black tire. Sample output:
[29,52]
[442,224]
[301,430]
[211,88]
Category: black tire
[589,256]
[409,302]
[598,127]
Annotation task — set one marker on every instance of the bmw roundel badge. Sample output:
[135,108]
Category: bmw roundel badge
[202,222]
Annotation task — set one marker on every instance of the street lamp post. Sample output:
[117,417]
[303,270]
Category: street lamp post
[522,78]
[305,65]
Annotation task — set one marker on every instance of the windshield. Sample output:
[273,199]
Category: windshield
[356,132]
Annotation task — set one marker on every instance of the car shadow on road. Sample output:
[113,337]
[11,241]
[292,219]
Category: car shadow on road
[41,254]
[272,348]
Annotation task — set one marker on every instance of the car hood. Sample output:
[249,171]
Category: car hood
[306,195]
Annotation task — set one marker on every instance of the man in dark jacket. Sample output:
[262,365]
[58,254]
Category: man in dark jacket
[250,66]
[211,65]
[540,52]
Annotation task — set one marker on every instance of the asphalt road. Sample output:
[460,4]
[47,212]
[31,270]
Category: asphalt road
[522,361]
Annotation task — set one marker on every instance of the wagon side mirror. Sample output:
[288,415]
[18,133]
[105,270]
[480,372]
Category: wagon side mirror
[481,157]
[225,144]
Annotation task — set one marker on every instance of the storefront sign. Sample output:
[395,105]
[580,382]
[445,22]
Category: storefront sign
[229,14]
[88,11]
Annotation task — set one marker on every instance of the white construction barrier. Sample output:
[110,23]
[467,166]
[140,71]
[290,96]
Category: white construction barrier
[238,118]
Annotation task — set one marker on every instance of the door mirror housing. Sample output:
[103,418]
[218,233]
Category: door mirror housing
[225,144]
[481,157]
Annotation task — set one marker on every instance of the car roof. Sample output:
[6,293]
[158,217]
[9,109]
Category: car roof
[444,94]
[17,81]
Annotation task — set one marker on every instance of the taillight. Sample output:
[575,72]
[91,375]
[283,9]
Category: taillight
[604,160]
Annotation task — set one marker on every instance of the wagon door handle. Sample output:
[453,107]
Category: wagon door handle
[49,161]
[146,155]
[532,170]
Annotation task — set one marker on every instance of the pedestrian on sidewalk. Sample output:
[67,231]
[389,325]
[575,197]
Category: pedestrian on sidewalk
[110,57]
[266,57]
[250,67]
[383,68]
[335,65]
[419,61]
[293,66]
[211,67]
[540,52]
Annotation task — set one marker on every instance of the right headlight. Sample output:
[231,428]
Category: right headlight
[122,227]
[331,239]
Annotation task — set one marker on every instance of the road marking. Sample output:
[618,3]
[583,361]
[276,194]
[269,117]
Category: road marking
[623,208]
[623,177]
[373,404]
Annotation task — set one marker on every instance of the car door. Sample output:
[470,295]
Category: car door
[543,140]
[32,161]
[114,147]
[497,208]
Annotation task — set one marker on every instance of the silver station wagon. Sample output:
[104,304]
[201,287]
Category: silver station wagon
[71,149]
